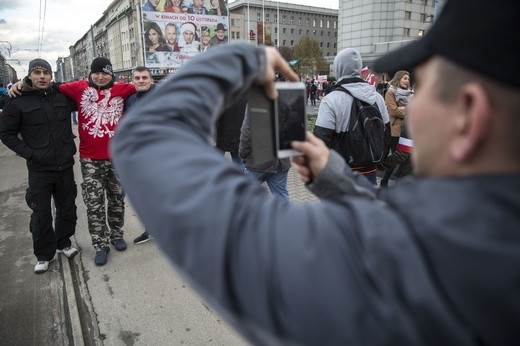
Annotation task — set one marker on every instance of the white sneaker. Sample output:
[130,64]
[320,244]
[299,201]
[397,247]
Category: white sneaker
[42,266]
[70,251]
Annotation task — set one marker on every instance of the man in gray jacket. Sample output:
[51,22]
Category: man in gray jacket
[273,173]
[434,261]
[334,114]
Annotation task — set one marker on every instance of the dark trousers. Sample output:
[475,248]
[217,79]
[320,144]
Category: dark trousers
[388,173]
[61,187]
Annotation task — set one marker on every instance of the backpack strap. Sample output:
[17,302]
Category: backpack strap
[350,81]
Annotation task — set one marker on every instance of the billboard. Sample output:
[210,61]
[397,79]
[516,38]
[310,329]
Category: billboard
[174,31]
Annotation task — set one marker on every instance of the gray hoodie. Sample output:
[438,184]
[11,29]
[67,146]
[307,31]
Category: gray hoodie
[334,111]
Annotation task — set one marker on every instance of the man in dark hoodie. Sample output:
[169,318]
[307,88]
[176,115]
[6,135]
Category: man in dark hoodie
[42,116]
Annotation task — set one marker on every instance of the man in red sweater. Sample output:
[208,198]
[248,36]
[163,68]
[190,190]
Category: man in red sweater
[100,105]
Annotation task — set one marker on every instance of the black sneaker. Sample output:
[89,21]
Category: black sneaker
[102,256]
[143,238]
[119,244]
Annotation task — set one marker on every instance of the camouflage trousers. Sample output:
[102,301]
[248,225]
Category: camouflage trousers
[105,216]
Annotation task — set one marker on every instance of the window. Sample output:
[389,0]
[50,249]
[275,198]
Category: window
[321,23]
[406,31]
[321,33]
[300,21]
[314,22]
[259,17]
[328,34]
[267,17]
[232,21]
[283,43]
[300,32]
[423,17]
[275,29]
[276,18]
[335,24]
[233,35]
[335,46]
[421,33]
[328,44]
[292,31]
[307,33]
[407,15]
[283,19]
[307,21]
[328,23]
[292,43]
[284,30]
[314,32]
[238,35]
[321,44]
[292,20]
[276,42]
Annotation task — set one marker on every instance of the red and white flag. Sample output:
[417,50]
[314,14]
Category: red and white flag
[405,145]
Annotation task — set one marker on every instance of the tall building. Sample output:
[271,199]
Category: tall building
[282,24]
[375,27]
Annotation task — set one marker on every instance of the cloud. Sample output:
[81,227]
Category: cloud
[2,21]
[13,5]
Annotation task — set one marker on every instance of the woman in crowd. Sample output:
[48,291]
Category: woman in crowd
[396,99]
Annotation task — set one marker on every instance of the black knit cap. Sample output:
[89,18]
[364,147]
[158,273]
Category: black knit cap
[39,64]
[101,64]
[480,35]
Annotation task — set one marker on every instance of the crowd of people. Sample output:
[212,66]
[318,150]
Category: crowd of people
[432,259]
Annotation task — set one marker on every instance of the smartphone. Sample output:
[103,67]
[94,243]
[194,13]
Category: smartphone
[291,119]
[262,123]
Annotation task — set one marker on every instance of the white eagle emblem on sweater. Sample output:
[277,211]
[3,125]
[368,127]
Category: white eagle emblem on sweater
[101,117]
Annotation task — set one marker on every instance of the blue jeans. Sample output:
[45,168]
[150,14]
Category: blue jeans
[236,159]
[372,177]
[277,182]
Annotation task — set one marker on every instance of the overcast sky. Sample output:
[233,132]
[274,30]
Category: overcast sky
[66,21]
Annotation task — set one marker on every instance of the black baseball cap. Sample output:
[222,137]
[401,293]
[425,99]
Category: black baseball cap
[480,35]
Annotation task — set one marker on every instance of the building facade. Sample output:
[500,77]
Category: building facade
[116,36]
[7,72]
[375,27]
[282,24]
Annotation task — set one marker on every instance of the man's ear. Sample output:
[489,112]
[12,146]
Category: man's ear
[472,123]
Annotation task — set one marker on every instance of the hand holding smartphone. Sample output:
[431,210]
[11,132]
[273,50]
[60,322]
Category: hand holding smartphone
[290,112]
[275,124]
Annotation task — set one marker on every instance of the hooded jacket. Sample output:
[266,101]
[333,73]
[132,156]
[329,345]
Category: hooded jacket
[334,112]
[433,262]
[42,117]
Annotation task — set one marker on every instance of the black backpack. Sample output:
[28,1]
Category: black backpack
[365,144]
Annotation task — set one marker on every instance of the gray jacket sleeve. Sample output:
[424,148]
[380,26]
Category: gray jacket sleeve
[337,179]
[307,273]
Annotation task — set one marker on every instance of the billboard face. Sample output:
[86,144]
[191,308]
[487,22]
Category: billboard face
[180,30]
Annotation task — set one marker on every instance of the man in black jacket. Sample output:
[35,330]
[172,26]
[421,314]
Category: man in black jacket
[143,82]
[42,117]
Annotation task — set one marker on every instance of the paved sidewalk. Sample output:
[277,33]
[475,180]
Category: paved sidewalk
[136,299]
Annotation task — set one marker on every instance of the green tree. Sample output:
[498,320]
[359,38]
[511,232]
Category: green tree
[309,54]
[286,53]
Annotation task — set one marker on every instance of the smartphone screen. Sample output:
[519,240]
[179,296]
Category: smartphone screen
[262,123]
[291,114]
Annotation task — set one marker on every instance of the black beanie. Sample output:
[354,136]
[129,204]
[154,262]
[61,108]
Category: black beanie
[39,64]
[101,64]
